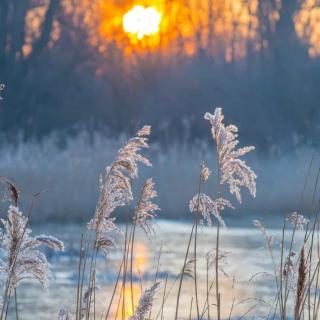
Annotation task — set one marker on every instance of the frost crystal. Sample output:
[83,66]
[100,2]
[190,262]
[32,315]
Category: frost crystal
[233,170]
[11,192]
[145,303]
[201,203]
[22,260]
[145,210]
[289,270]
[204,173]
[298,221]
[115,186]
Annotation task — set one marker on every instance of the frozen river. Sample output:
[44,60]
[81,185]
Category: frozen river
[246,257]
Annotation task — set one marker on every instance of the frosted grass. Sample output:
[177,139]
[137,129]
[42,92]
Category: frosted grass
[68,175]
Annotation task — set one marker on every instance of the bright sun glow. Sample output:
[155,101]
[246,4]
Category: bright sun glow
[141,21]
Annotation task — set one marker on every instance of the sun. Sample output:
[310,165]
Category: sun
[142,21]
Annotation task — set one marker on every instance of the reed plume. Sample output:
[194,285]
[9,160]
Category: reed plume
[233,171]
[298,221]
[145,303]
[145,210]
[22,259]
[289,271]
[11,192]
[204,172]
[301,283]
[204,204]
[115,191]
[115,186]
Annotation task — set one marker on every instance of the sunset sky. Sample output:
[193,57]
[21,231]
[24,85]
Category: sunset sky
[179,25]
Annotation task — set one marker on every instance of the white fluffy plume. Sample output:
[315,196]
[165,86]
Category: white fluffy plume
[233,171]
[145,303]
[145,210]
[21,257]
[115,186]
[201,203]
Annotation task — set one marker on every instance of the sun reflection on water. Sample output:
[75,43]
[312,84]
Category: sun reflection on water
[128,294]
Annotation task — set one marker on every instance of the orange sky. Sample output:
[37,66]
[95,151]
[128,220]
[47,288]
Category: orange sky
[185,26]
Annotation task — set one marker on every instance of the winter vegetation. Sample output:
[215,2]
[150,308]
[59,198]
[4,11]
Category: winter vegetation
[294,259]
[191,218]
[56,164]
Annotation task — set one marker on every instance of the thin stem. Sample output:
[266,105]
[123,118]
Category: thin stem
[125,266]
[131,264]
[195,268]
[16,303]
[163,297]
[114,290]
[208,303]
[195,240]
[182,271]
[217,272]
[190,312]
[79,276]
[156,275]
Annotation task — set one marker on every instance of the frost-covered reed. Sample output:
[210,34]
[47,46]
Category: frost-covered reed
[115,186]
[296,273]
[21,258]
[145,303]
[145,209]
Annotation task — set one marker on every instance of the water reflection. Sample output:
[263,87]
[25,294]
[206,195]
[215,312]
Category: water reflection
[238,291]
[127,300]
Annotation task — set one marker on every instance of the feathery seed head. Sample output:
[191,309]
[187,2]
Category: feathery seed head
[22,260]
[205,172]
[145,210]
[145,303]
[11,193]
[298,221]
[233,170]
[289,271]
[104,243]
[115,186]
[301,284]
[188,269]
[201,203]
[51,242]
[144,131]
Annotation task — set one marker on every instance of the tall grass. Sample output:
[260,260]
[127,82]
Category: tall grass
[295,266]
